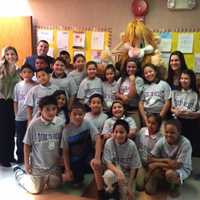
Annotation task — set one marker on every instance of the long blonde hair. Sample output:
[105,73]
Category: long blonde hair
[4,65]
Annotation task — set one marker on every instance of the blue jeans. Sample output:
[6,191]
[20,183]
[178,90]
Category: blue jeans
[20,131]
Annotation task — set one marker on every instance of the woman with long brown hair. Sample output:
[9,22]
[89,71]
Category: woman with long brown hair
[8,79]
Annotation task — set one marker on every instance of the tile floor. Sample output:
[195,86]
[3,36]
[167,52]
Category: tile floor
[9,190]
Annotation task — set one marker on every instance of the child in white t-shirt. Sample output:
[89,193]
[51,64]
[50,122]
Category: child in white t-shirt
[96,115]
[91,84]
[44,88]
[156,94]
[145,141]
[122,159]
[171,161]
[20,92]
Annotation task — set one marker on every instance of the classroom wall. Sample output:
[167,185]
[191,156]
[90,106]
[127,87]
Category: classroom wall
[109,13]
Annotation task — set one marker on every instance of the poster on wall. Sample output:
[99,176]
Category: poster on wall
[79,40]
[197,63]
[51,52]
[96,56]
[185,42]
[45,34]
[165,42]
[165,57]
[63,40]
[97,40]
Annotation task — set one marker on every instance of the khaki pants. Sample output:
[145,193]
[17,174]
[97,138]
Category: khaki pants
[123,188]
[35,184]
[140,178]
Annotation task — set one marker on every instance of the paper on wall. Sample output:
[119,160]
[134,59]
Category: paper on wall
[63,39]
[197,63]
[185,42]
[44,34]
[165,58]
[166,42]
[50,52]
[79,39]
[97,40]
[96,56]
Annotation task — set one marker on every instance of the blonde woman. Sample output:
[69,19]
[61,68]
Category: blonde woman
[8,79]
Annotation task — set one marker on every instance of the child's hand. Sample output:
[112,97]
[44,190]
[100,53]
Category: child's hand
[120,177]
[96,163]
[106,136]
[132,78]
[153,166]
[130,194]
[172,164]
[68,175]
[28,168]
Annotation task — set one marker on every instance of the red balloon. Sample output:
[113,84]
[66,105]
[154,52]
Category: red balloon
[139,8]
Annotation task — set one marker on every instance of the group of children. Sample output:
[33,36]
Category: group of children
[97,124]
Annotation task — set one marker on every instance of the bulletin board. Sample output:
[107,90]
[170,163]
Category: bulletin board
[192,58]
[52,35]
[17,32]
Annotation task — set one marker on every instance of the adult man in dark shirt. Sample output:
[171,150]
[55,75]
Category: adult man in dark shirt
[42,50]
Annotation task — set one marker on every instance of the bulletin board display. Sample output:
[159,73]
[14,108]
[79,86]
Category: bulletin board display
[17,32]
[189,57]
[87,41]
[187,42]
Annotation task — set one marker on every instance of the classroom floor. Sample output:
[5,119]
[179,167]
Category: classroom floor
[10,190]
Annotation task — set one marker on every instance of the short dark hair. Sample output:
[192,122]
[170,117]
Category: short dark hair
[46,69]
[174,122]
[91,63]
[117,101]
[26,66]
[96,95]
[60,59]
[157,117]
[77,105]
[44,41]
[122,123]
[63,52]
[77,56]
[44,58]
[47,100]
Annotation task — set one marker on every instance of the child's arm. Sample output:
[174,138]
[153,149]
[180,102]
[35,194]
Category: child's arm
[132,133]
[27,150]
[142,112]
[132,87]
[29,113]
[189,114]
[165,108]
[106,130]
[15,107]
[118,172]
[96,162]
[68,172]
[163,163]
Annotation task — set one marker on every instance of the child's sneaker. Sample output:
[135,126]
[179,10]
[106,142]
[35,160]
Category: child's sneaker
[77,184]
[18,171]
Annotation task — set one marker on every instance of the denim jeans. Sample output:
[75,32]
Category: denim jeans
[20,127]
